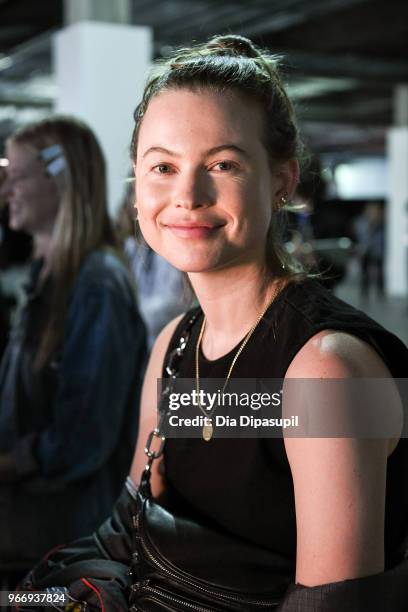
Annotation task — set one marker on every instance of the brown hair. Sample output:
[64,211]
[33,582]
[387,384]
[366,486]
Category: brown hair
[233,63]
[82,222]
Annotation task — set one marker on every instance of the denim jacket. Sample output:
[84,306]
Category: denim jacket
[72,426]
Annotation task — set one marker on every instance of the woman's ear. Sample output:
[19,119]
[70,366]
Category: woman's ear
[288,174]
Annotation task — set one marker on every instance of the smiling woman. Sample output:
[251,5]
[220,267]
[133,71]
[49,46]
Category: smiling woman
[34,202]
[243,523]
[210,181]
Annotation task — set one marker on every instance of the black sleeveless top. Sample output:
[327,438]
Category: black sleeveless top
[244,486]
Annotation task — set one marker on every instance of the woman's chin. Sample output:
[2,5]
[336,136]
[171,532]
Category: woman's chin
[16,224]
[191,265]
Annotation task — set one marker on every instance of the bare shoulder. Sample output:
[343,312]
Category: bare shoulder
[162,342]
[337,354]
[148,405]
[155,366]
[334,354]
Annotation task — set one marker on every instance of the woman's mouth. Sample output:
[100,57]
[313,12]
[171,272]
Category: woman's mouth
[14,208]
[193,230]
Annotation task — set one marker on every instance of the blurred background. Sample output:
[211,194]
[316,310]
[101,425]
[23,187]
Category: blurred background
[346,66]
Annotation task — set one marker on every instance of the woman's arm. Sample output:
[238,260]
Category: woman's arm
[98,386]
[148,409]
[339,483]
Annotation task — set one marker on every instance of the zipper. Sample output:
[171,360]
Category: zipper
[151,591]
[204,590]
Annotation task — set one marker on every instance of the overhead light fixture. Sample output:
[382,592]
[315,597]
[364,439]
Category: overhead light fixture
[5,62]
[4,162]
[319,86]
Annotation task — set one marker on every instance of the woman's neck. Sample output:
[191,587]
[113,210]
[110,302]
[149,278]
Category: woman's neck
[42,245]
[231,301]
[42,250]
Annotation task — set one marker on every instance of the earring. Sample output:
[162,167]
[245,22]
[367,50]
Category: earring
[136,212]
[281,203]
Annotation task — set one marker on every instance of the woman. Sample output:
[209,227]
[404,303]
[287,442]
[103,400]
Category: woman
[15,253]
[68,410]
[215,153]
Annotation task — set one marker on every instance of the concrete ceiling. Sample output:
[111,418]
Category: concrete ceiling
[343,58]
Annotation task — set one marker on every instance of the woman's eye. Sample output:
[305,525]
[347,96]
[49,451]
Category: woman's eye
[162,168]
[224,166]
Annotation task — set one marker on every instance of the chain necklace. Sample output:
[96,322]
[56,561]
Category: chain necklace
[208,428]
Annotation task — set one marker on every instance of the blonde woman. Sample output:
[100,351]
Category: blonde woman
[68,406]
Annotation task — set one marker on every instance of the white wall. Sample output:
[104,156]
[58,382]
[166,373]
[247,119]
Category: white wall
[100,70]
[364,178]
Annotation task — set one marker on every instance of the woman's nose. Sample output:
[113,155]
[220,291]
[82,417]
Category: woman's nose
[194,191]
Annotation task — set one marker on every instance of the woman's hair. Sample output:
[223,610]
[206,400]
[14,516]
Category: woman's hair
[125,222]
[82,222]
[233,63]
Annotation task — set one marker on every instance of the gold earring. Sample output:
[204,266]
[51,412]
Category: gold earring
[281,203]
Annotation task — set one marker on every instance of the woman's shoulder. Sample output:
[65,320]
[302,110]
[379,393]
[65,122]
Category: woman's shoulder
[311,300]
[104,269]
[310,311]
[103,260]
[179,328]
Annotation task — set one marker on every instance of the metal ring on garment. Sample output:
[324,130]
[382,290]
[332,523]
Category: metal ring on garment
[151,453]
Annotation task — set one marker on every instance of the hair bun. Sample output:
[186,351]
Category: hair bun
[233,44]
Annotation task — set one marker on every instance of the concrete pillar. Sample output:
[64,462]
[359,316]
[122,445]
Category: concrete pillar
[397,206]
[111,11]
[401,105]
[100,72]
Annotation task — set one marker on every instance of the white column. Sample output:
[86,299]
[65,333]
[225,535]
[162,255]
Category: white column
[100,71]
[111,11]
[397,206]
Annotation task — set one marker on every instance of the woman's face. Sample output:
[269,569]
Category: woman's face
[32,195]
[204,186]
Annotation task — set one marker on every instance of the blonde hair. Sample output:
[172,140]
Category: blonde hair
[82,224]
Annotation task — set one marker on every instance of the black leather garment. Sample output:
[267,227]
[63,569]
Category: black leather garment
[178,566]
[160,584]
[102,559]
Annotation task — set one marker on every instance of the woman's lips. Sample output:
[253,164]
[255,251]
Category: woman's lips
[193,231]
[14,208]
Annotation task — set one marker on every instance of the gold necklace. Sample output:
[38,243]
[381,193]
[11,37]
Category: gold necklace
[208,428]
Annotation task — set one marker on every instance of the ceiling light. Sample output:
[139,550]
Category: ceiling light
[5,62]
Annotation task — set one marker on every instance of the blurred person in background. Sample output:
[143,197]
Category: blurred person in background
[68,401]
[161,289]
[15,252]
[370,235]
[4,314]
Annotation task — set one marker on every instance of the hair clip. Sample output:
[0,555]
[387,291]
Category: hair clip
[56,166]
[54,159]
[51,152]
